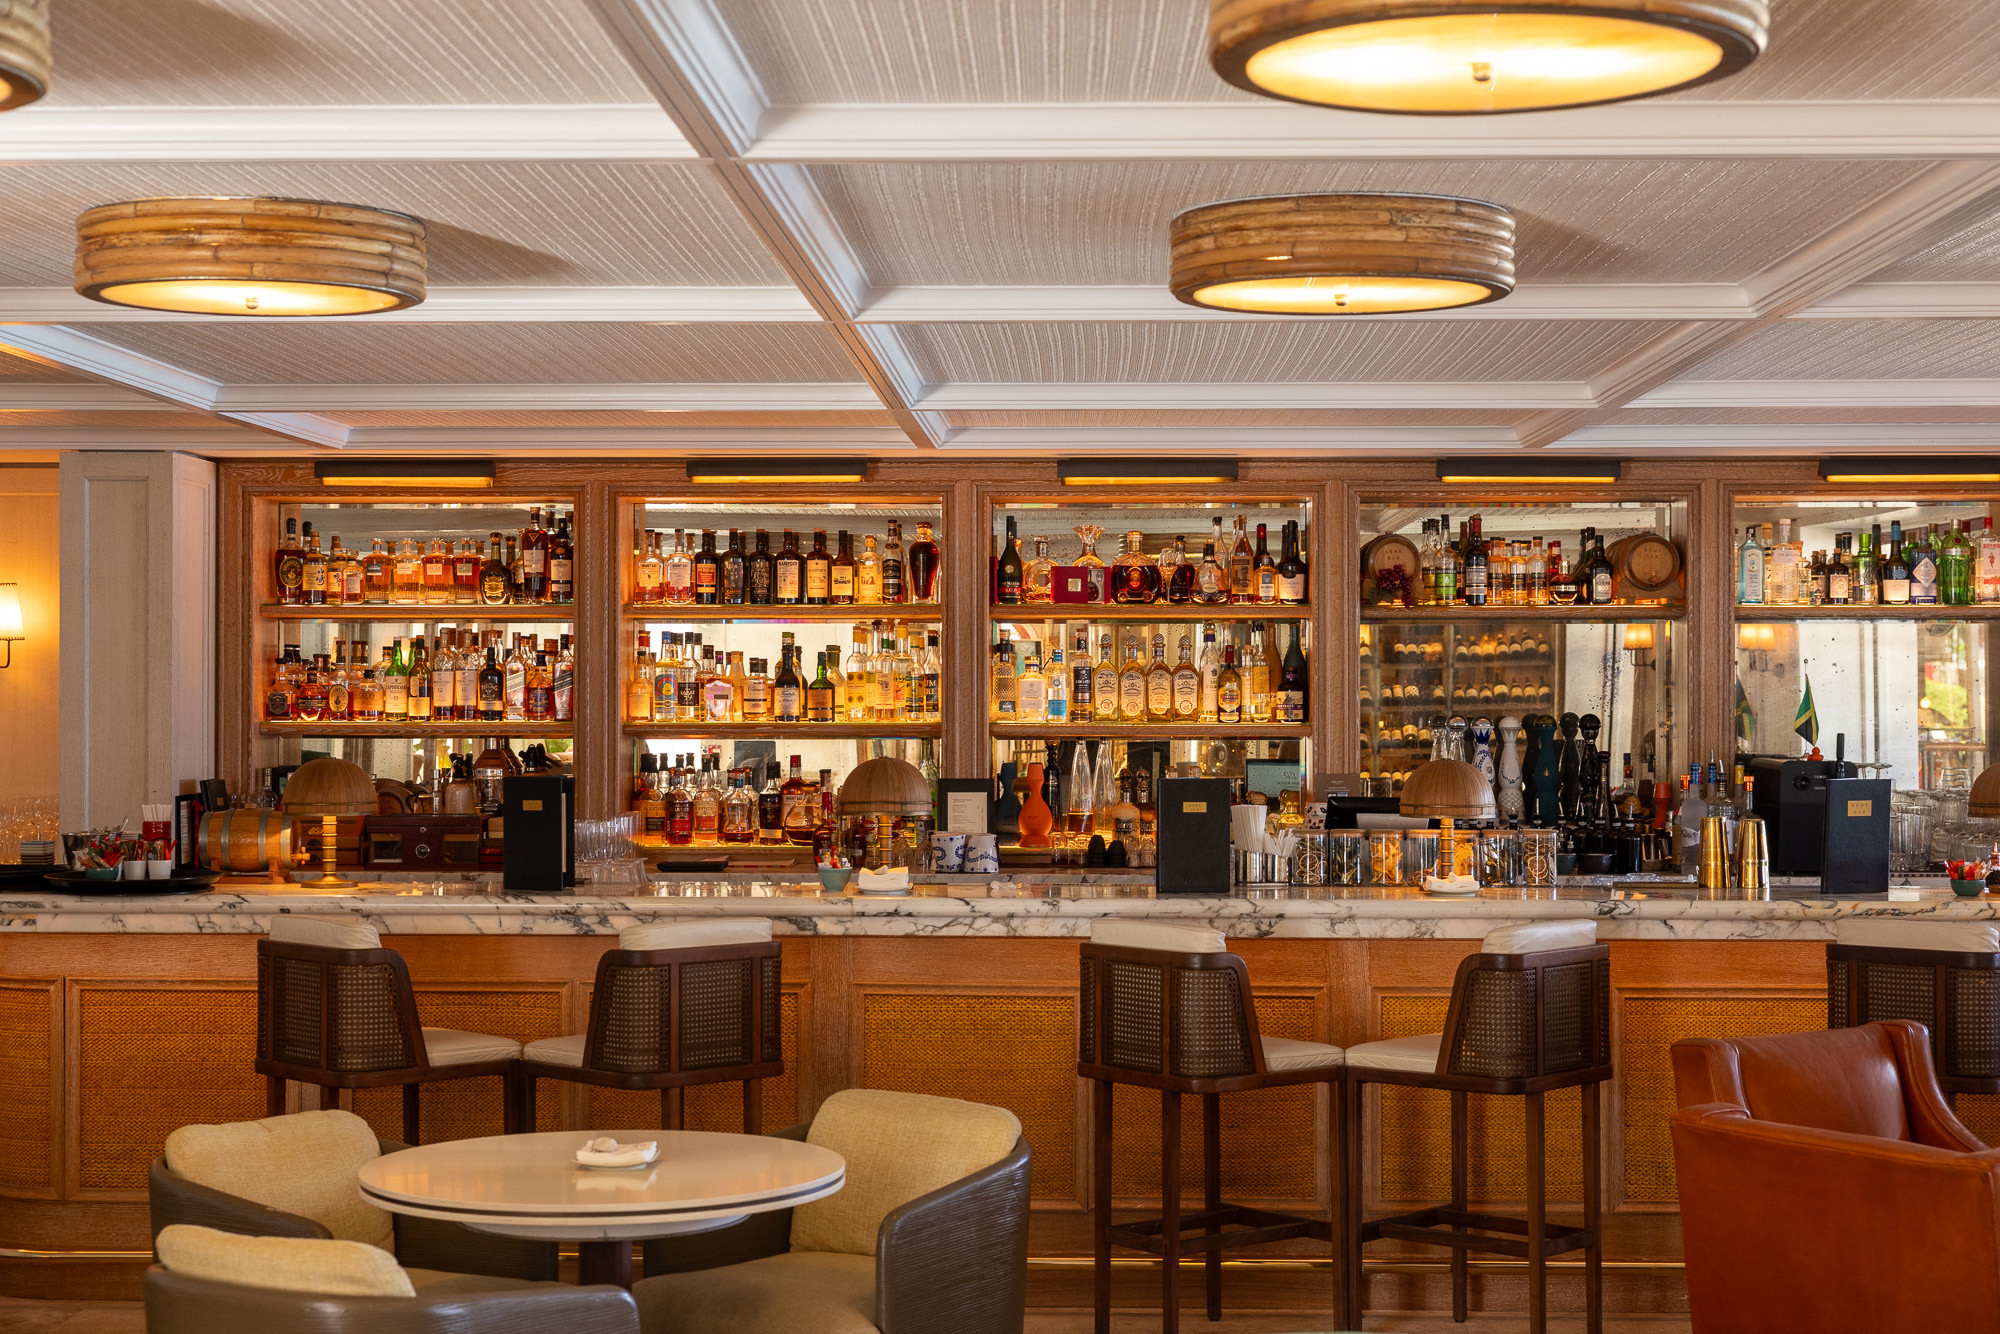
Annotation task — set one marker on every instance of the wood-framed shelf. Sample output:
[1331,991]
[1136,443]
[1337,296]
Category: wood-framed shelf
[1163,612]
[1151,731]
[699,731]
[403,612]
[853,611]
[1455,615]
[1978,611]
[406,729]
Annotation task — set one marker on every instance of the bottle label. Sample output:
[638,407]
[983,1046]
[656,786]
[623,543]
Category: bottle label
[1159,693]
[1896,591]
[666,693]
[719,697]
[788,702]
[1292,588]
[336,700]
[1187,694]
[892,581]
[1923,580]
[533,561]
[1058,710]
[841,583]
[1034,699]
[444,694]
[278,704]
[816,580]
[1132,696]
[788,582]
[687,696]
[396,694]
[705,576]
[493,588]
[756,698]
[1292,706]
[1600,586]
[291,574]
[565,694]
[541,703]
[489,695]
[1839,586]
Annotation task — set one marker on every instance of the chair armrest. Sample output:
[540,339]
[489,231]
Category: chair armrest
[955,1261]
[179,1304]
[433,1243]
[174,1199]
[1931,1119]
[754,1238]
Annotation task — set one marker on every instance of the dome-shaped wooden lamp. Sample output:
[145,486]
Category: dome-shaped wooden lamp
[1446,790]
[884,790]
[330,788]
[1984,803]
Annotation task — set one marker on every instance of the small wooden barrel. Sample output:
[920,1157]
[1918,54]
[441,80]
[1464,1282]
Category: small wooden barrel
[1645,565]
[1391,551]
[245,841]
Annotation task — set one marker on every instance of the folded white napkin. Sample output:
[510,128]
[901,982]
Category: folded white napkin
[608,1152]
[1457,884]
[881,882]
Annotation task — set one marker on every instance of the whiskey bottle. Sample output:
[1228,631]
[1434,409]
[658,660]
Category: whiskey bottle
[283,694]
[337,558]
[512,560]
[565,682]
[312,572]
[893,587]
[841,572]
[708,807]
[707,572]
[649,569]
[734,582]
[1265,572]
[309,704]
[407,586]
[680,810]
[492,688]
[534,582]
[1004,683]
[562,563]
[395,676]
[789,588]
[739,809]
[666,678]
[680,572]
[465,573]
[515,683]
[718,693]
[818,571]
[925,561]
[540,701]
[1012,576]
[366,702]
[1083,676]
[288,564]
[771,808]
[798,806]
[787,692]
[339,687]
[419,664]
[465,663]
[868,574]
[376,574]
[1229,690]
[494,586]
[444,679]
[760,578]
[756,706]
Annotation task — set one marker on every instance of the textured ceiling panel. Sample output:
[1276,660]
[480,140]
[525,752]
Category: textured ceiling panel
[1861,350]
[1970,254]
[494,224]
[1156,51]
[335,52]
[492,353]
[27,369]
[1293,353]
[139,419]
[1106,222]
[559,420]
[1074,419]
[1804,416]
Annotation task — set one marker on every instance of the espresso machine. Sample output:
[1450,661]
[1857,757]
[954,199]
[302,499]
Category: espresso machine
[1822,820]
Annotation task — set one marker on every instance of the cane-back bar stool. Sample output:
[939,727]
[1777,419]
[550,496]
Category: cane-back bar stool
[335,1009]
[677,1003]
[1169,1008]
[1529,1013]
[1944,975]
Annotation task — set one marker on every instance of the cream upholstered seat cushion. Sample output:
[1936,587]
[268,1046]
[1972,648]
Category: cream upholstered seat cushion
[451,1046]
[304,1164]
[1292,1054]
[898,1146]
[695,935]
[1158,936]
[295,1264]
[1536,936]
[1903,933]
[1416,1054]
[557,1051]
[806,1292]
[444,1283]
[333,933]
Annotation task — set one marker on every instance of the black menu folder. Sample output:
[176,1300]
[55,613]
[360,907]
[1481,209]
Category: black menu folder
[1857,837]
[1193,842]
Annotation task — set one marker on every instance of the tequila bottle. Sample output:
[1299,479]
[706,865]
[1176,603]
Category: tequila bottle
[1132,685]
[1187,684]
[1104,683]
[1159,684]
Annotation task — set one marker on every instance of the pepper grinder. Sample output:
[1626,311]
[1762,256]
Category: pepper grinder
[1507,793]
[1569,764]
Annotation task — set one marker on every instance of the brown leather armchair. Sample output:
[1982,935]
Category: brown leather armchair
[180,1304]
[1825,1185]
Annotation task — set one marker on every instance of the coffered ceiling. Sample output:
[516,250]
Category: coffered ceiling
[898,225]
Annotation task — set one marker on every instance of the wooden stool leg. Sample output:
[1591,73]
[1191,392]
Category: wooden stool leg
[413,1124]
[1357,1183]
[523,1089]
[1593,1221]
[1101,1091]
[343,1099]
[672,1102]
[1537,1192]
[1170,1212]
[1460,1133]
[753,1106]
[1211,1198]
[1336,1210]
[274,1095]
[510,1100]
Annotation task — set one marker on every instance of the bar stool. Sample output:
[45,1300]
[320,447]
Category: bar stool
[1944,975]
[1529,1013]
[1169,1008]
[335,1009]
[677,1003]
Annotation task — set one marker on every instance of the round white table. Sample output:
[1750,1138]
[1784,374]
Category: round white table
[531,1186]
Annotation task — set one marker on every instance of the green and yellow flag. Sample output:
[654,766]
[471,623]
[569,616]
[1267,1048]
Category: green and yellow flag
[1807,722]
[1746,717]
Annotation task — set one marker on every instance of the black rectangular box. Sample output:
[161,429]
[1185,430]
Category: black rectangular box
[1857,837]
[1193,837]
[537,828]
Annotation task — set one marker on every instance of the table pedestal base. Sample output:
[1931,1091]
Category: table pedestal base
[604,1262]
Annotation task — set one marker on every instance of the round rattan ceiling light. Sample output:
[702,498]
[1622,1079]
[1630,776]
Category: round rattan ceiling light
[24,52]
[1342,254]
[1457,57]
[250,256]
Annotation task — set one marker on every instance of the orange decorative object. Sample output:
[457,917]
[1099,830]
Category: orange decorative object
[1036,817]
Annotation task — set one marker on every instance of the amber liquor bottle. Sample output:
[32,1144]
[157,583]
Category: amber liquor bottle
[562,563]
[289,565]
[534,559]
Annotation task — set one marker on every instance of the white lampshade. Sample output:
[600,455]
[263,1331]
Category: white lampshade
[10,612]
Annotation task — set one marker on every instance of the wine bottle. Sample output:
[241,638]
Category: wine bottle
[1012,570]
[1292,683]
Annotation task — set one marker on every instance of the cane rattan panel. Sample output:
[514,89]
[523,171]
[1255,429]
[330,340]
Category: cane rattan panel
[468,1108]
[1980,1113]
[715,1014]
[1416,1128]
[1496,1038]
[1888,991]
[1270,1137]
[27,1129]
[1975,1013]
[1648,1026]
[1214,1040]
[1137,1038]
[1009,1051]
[772,974]
[1086,1033]
[151,1060]
[637,1036]
[708,1106]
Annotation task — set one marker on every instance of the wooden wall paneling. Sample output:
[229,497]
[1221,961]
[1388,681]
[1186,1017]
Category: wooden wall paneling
[31,1093]
[828,1064]
[600,751]
[1710,713]
[966,537]
[1337,627]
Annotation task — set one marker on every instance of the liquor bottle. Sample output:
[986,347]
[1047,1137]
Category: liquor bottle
[1056,675]
[444,678]
[1292,568]
[708,806]
[1159,684]
[649,569]
[395,675]
[756,696]
[338,561]
[1867,590]
[818,571]
[894,588]
[894,670]
[841,572]
[406,574]
[868,574]
[1012,574]
[433,573]
[1895,569]
[1955,567]
[797,810]
[1038,577]
[282,697]
[1211,577]
[534,548]
[1839,574]
[665,678]
[365,706]
[539,702]
[309,703]
[1750,570]
[312,572]
[465,573]
[679,572]
[639,688]
[375,574]
[1186,684]
[692,677]
[760,575]
[1781,573]
[789,573]
[731,582]
[1208,666]
[1132,684]
[562,562]
[1082,678]
[1477,572]
[926,561]
[1601,586]
[339,686]
[514,685]
[819,694]
[1263,573]
[770,808]
[1135,580]
[680,809]
[288,567]
[1176,572]
[933,676]
[1242,562]
[707,572]
[1103,681]
[1986,563]
[565,682]
[1293,682]
[492,688]
[1253,670]
[1229,689]
[787,693]
[494,585]
[739,809]
[1924,562]
[1031,691]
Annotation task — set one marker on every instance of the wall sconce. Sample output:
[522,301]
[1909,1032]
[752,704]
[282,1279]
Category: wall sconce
[1757,641]
[10,620]
[1639,643]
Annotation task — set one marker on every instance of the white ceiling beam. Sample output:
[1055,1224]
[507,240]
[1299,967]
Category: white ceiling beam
[668,397]
[209,437]
[1499,396]
[1031,305]
[1273,131]
[616,133]
[28,396]
[464,305]
[1908,301]
[1731,439]
[1239,441]
[1821,394]
[516,439]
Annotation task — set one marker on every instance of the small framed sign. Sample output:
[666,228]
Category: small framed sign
[965,806]
[188,810]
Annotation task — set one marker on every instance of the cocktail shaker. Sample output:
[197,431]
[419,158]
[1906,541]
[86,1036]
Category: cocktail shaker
[1753,854]
[1714,862]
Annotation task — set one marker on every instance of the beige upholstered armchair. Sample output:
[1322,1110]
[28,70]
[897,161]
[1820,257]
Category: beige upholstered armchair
[928,1236]
[295,1176]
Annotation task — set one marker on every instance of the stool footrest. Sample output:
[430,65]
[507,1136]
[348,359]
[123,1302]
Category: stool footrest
[1433,1227]
[1256,1226]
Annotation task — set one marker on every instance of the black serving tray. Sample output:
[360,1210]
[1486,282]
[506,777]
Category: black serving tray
[75,882]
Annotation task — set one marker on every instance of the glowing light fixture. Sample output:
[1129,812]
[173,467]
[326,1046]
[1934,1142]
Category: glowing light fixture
[24,52]
[249,256]
[771,471]
[1143,471]
[1897,468]
[1564,471]
[1458,57]
[11,631]
[447,474]
[1363,253]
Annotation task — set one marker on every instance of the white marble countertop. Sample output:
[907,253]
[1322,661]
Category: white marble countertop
[1021,908]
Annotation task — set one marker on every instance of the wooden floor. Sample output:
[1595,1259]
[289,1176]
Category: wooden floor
[25,1317]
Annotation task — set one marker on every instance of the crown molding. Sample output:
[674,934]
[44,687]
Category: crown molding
[464,305]
[1502,397]
[242,399]
[1155,304]
[1822,394]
